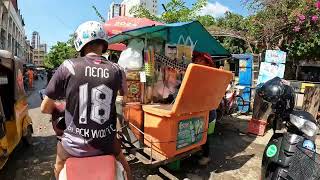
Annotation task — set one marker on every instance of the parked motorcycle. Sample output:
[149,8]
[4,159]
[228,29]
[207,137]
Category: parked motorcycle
[291,151]
[103,167]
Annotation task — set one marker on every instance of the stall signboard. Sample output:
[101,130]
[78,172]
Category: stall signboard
[269,71]
[190,132]
[275,56]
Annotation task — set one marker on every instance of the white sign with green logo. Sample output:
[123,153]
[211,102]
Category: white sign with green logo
[272,150]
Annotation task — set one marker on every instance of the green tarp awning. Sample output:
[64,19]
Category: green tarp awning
[203,40]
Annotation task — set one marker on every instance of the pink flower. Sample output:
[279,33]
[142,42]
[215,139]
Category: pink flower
[318,5]
[314,18]
[296,29]
[302,17]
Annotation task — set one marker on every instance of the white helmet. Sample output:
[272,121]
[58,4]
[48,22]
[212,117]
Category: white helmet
[87,32]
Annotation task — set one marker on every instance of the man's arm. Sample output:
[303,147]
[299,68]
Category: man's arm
[54,91]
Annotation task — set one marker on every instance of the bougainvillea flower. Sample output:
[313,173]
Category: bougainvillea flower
[314,18]
[302,17]
[318,4]
[296,29]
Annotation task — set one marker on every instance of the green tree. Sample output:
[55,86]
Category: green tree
[206,20]
[176,11]
[141,12]
[232,31]
[60,52]
[292,26]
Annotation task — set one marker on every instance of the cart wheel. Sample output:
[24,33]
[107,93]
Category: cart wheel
[27,139]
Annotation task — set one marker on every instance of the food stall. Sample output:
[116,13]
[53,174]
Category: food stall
[169,97]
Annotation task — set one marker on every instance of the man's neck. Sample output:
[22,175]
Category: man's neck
[93,54]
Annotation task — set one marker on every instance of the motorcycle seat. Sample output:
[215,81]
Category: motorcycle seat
[97,167]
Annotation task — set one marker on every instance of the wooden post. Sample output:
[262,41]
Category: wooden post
[311,100]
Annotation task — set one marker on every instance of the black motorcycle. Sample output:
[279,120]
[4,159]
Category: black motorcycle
[291,151]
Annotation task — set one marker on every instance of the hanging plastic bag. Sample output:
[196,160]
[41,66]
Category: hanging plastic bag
[132,58]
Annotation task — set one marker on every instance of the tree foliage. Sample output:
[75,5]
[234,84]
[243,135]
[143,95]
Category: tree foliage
[176,11]
[60,52]
[289,25]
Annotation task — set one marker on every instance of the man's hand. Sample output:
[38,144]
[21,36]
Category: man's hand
[47,105]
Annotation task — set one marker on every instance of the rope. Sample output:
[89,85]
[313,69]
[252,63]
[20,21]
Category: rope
[196,135]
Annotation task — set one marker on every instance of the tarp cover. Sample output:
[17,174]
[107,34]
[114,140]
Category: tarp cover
[203,40]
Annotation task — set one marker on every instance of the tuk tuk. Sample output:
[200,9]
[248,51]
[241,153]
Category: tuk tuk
[15,122]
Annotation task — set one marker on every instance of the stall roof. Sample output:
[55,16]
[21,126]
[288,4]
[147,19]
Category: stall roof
[204,41]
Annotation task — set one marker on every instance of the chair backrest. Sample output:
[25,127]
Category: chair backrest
[201,90]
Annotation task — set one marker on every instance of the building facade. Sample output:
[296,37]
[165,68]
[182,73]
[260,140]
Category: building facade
[29,54]
[127,5]
[35,43]
[114,10]
[39,50]
[39,55]
[12,34]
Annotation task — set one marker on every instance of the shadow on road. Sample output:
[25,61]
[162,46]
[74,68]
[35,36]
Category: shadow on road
[31,163]
[228,150]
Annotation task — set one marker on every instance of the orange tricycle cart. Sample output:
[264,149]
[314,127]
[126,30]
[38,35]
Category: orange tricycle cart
[162,131]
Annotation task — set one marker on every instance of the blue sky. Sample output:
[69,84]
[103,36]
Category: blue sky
[55,20]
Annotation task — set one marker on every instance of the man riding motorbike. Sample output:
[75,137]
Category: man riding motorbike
[89,85]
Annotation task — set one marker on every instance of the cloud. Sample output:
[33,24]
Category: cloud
[214,9]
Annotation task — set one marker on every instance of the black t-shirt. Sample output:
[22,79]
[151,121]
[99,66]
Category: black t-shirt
[89,85]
